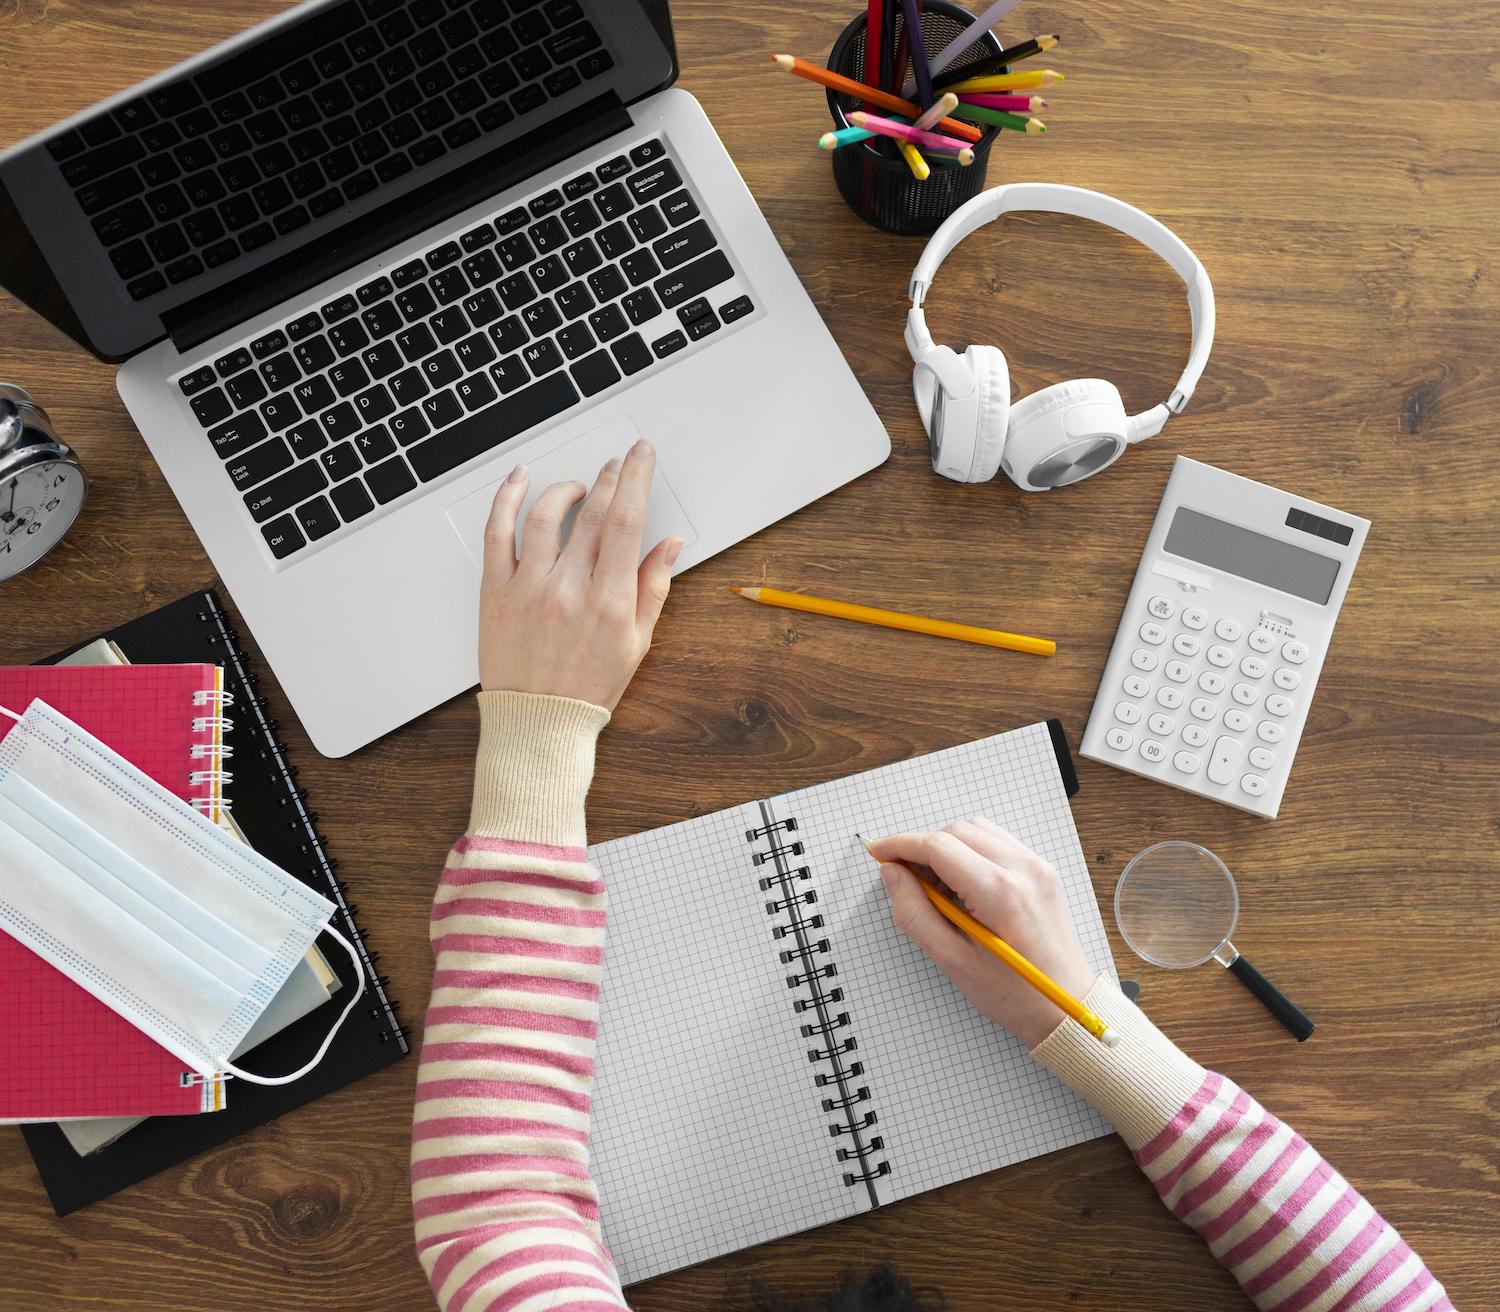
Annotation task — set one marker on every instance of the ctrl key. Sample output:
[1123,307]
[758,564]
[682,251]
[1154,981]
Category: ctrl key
[283,537]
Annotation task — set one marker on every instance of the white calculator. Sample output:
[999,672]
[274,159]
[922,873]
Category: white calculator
[1223,637]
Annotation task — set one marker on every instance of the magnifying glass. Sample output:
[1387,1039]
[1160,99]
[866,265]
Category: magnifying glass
[1177,905]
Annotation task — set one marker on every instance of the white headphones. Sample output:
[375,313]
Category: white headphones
[1069,430]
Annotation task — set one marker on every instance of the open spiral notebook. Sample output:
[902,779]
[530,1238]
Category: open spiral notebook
[773,1053]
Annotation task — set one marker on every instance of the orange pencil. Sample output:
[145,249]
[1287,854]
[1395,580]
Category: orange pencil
[849,87]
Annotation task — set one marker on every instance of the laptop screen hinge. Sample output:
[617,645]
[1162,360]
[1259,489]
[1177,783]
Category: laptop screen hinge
[398,219]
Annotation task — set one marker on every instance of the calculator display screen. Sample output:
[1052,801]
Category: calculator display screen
[1235,550]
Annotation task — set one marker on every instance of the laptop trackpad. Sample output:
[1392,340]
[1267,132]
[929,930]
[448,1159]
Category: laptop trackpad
[577,461]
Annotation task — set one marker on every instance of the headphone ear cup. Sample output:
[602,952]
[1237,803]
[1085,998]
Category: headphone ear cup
[992,420]
[1064,433]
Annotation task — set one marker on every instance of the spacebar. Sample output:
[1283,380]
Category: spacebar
[489,428]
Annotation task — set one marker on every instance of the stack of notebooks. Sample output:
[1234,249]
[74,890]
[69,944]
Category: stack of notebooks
[102,1105]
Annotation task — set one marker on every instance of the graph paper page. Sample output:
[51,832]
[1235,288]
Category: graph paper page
[955,1094]
[708,1133]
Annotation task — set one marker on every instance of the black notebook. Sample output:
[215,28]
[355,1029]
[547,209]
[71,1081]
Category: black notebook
[273,813]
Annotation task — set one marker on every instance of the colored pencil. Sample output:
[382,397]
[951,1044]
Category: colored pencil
[940,108]
[874,22]
[992,943]
[889,77]
[916,47]
[895,619]
[976,31]
[905,132]
[919,167]
[843,137]
[996,62]
[1031,81]
[860,91]
[1001,119]
[1015,104]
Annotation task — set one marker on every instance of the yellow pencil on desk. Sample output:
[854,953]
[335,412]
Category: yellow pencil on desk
[895,619]
[1034,975]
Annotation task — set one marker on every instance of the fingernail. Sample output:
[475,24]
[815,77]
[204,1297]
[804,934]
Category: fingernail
[888,875]
[610,465]
[643,448]
[518,475]
[674,549]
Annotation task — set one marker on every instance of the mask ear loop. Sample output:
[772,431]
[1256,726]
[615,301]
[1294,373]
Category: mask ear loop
[318,1056]
[5,710]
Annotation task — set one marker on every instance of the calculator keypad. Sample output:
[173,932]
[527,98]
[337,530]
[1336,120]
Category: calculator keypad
[1211,705]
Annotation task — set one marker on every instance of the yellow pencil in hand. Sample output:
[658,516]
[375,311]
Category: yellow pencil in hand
[1034,975]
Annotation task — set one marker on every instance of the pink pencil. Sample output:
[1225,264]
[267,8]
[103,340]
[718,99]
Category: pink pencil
[888,128]
[1016,104]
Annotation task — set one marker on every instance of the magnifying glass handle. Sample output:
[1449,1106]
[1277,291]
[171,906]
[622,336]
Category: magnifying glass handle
[1296,1021]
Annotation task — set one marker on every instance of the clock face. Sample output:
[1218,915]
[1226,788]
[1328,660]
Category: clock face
[37,504]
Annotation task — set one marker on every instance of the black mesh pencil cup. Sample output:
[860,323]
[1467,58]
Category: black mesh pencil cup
[872,176]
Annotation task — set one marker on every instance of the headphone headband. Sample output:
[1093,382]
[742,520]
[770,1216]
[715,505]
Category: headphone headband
[1054,198]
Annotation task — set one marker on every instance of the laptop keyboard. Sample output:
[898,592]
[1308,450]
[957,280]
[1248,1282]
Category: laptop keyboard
[361,401]
[202,171]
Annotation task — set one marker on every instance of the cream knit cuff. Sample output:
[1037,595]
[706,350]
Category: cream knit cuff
[1141,1084]
[534,766]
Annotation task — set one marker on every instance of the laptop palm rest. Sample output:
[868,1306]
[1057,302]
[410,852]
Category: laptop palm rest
[577,461]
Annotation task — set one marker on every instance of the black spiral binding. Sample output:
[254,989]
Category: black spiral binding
[792,902]
[303,822]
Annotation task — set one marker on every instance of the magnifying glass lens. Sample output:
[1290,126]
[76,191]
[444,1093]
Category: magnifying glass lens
[1176,903]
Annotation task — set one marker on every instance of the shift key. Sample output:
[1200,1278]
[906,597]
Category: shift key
[694,279]
[285,490]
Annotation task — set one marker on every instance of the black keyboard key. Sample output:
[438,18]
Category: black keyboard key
[408,426]
[283,537]
[449,324]
[508,335]
[541,318]
[374,291]
[190,266]
[596,373]
[374,404]
[694,309]
[639,266]
[348,376]
[352,500]
[694,279]
[101,161]
[608,283]
[572,42]
[442,409]
[482,308]
[211,407]
[233,362]
[700,328]
[549,234]
[654,182]
[317,518]
[609,323]
[340,422]
[407,386]
[664,346]
[542,357]
[641,305]
[342,308]
[314,354]
[517,291]
[546,203]
[632,353]
[381,359]
[168,243]
[416,303]
[132,259]
[427,150]
[237,435]
[683,245]
[614,168]
[489,428]
[461,133]
[313,395]
[529,64]
[444,255]
[580,186]
[736,309]
[582,257]
[259,463]
[390,479]
[306,439]
[268,345]
[549,274]
[679,208]
[512,221]
[574,300]
[393,167]
[474,352]
[280,411]
[146,285]
[576,340]
[375,444]
[509,374]
[340,461]
[615,240]
[647,223]
[449,285]
[614,201]
[580,218]
[221,252]
[441,369]
[308,323]
[408,273]
[382,320]
[516,251]
[416,342]
[346,338]
[475,392]
[647,151]
[483,269]
[196,381]
[477,238]
[109,191]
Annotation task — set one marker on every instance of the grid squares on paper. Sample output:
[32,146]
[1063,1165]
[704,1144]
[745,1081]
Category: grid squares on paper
[955,1094]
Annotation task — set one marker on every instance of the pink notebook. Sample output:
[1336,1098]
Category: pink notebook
[63,1053]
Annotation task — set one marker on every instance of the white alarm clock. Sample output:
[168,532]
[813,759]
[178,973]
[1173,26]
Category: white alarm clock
[42,485]
[1223,637]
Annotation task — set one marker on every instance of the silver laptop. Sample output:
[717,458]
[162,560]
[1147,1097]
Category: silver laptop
[363,259]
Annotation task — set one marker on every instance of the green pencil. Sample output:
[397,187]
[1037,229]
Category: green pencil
[1000,118]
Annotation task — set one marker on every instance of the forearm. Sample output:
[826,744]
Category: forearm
[504,1206]
[1290,1229]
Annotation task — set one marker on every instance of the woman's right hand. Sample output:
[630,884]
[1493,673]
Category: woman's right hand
[1004,885]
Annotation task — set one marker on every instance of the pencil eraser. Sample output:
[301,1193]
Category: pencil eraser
[1110,1038]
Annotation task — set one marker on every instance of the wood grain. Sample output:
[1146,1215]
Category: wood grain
[1353,247]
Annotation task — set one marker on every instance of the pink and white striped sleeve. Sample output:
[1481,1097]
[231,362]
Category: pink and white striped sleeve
[506,1213]
[1295,1234]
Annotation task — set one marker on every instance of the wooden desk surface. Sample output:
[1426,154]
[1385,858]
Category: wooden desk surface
[1352,244]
